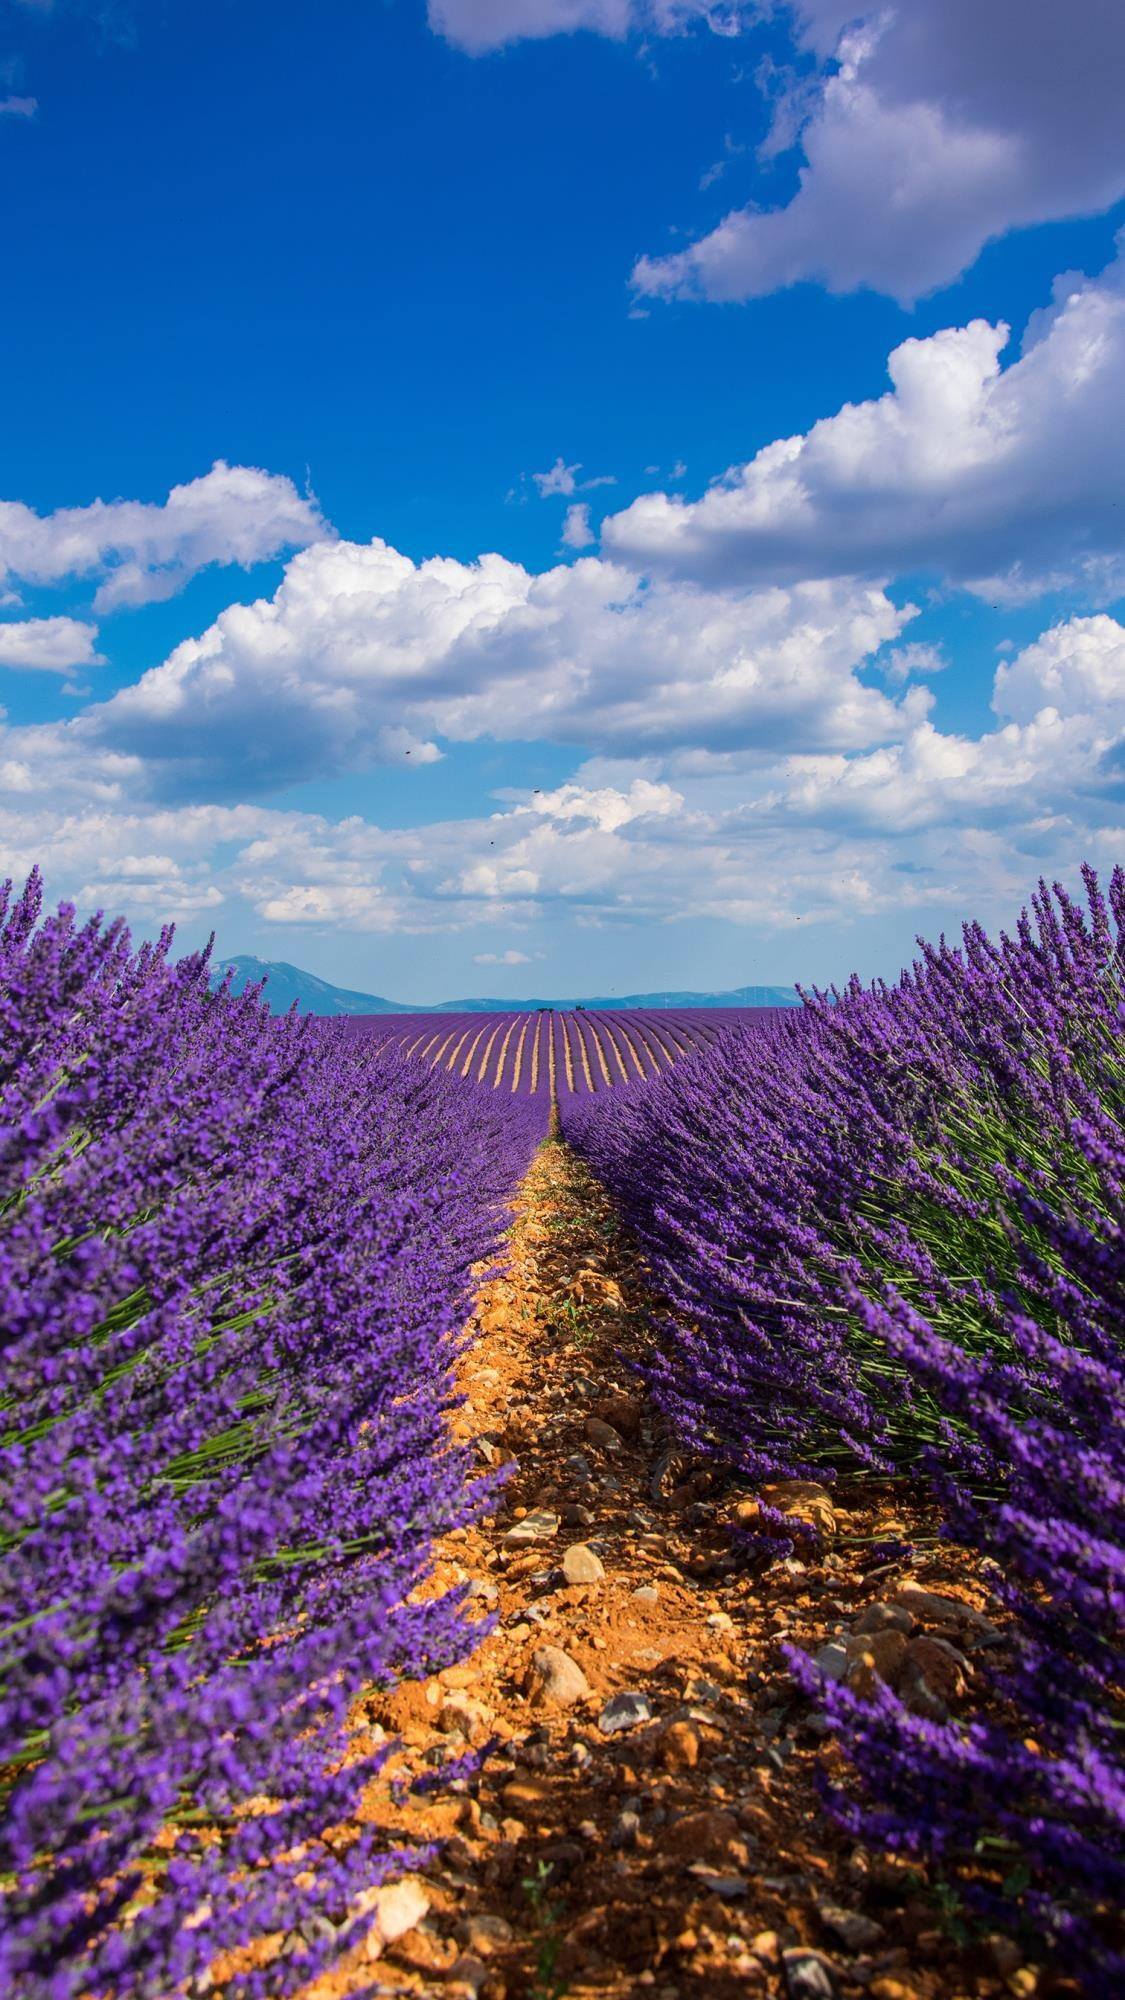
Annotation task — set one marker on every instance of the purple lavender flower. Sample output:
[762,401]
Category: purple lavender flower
[235,1255]
[891,1233]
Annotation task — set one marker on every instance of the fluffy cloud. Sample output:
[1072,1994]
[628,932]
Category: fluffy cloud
[560,479]
[504,957]
[1054,762]
[902,663]
[563,479]
[604,807]
[480,25]
[1077,669]
[146,551]
[48,645]
[935,126]
[933,822]
[362,655]
[1007,478]
[18,107]
[577,532]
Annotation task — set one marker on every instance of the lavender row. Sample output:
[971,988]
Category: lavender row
[571,1053]
[234,1255]
[891,1234]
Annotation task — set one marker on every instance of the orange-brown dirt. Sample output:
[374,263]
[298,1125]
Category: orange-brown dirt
[687,1855]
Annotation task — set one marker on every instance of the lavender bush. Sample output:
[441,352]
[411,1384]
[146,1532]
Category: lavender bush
[891,1235]
[234,1253]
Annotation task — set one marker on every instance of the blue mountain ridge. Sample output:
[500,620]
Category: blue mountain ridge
[288,983]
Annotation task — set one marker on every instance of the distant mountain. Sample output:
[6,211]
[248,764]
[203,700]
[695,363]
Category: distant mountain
[286,983]
[739,996]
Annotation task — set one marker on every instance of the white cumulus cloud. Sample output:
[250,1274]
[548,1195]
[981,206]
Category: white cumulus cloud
[1007,478]
[931,825]
[144,551]
[577,532]
[364,656]
[1077,668]
[935,126]
[48,645]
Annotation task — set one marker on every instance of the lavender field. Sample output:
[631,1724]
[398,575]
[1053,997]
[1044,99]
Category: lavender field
[555,1056]
[881,1245]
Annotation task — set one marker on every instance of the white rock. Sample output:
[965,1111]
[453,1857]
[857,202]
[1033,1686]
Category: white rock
[581,1565]
[809,1975]
[397,1907]
[555,1676]
[626,1710]
[538,1526]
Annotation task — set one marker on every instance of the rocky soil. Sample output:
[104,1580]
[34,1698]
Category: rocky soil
[647,1820]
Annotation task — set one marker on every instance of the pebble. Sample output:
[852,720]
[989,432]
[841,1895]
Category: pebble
[855,1931]
[581,1565]
[679,1747]
[538,1526]
[880,1617]
[626,1710]
[707,1836]
[483,1932]
[460,1715]
[602,1434]
[398,1907]
[832,1660]
[698,1688]
[875,1656]
[720,1621]
[525,1795]
[647,1593]
[554,1676]
[625,1829]
[809,1975]
[918,1697]
[470,1971]
[945,1669]
[727,1887]
[930,1608]
[622,1413]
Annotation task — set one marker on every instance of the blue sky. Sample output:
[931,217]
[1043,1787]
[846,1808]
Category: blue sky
[806,637]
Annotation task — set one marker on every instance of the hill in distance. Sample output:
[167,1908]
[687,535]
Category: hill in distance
[288,983]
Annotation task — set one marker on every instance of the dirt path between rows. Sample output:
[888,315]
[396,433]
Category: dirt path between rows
[648,1821]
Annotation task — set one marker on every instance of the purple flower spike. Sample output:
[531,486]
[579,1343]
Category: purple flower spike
[235,1256]
[891,1233]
